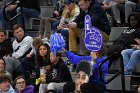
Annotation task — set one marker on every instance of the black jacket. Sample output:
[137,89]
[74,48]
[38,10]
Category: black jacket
[5,48]
[98,17]
[59,73]
[31,4]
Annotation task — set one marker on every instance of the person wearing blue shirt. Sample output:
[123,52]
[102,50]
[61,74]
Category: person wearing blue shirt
[95,58]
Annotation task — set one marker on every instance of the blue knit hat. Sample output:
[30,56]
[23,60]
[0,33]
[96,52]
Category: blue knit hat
[68,1]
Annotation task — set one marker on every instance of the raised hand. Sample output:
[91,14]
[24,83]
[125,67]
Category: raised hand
[93,38]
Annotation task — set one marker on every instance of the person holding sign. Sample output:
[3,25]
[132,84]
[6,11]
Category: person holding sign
[93,42]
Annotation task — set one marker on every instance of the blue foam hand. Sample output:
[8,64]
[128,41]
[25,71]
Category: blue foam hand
[57,42]
[93,37]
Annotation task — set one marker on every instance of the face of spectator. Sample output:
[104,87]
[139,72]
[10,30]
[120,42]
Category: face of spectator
[20,84]
[5,86]
[2,36]
[1,65]
[53,58]
[84,5]
[133,21]
[19,33]
[81,77]
[42,51]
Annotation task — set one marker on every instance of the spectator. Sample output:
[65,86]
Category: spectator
[127,38]
[58,77]
[5,44]
[28,63]
[95,58]
[5,84]
[71,11]
[43,56]
[131,57]
[5,78]
[96,13]
[20,85]
[83,73]
[31,8]
[22,43]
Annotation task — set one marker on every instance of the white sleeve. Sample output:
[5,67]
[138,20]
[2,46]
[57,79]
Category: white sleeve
[25,45]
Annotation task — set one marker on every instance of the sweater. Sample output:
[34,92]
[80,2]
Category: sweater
[23,47]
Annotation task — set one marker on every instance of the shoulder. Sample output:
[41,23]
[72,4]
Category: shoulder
[28,37]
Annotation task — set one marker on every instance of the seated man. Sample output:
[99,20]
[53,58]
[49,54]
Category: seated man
[22,44]
[21,87]
[58,77]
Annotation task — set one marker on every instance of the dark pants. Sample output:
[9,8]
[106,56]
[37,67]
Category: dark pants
[115,52]
[92,88]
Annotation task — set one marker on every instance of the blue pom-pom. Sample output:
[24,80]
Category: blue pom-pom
[57,42]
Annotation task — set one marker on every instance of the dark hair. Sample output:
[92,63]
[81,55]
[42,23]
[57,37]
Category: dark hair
[16,26]
[19,77]
[4,77]
[4,62]
[58,54]
[2,30]
[137,15]
[39,58]
[84,66]
[103,51]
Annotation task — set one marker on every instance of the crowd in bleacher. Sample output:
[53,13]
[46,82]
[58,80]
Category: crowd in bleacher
[27,64]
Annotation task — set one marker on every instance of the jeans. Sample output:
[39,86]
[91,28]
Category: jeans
[130,58]
[28,12]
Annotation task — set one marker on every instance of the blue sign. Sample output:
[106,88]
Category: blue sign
[93,37]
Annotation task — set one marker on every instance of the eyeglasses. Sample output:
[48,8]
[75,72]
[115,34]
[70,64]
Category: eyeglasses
[22,82]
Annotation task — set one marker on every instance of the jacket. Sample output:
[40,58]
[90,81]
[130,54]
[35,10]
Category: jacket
[59,73]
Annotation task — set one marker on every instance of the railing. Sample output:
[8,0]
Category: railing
[121,72]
